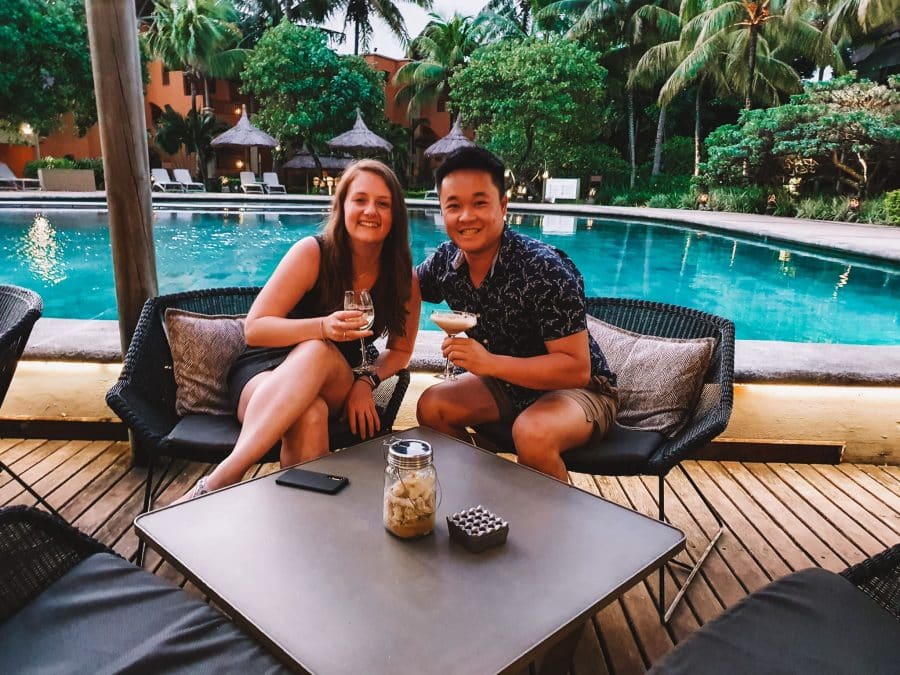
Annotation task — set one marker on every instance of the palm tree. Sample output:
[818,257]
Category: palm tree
[676,61]
[199,36]
[516,19]
[753,43]
[360,13]
[194,131]
[442,48]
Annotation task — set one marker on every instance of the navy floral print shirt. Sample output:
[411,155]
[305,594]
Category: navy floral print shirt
[532,294]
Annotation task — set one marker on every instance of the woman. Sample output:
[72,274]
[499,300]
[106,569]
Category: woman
[297,369]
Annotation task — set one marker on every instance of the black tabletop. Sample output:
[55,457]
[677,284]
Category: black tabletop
[318,578]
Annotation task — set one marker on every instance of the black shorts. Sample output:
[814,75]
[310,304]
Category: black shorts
[256,360]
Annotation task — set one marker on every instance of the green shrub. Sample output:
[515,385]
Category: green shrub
[737,199]
[678,155]
[95,165]
[875,210]
[31,168]
[890,205]
[687,200]
[666,200]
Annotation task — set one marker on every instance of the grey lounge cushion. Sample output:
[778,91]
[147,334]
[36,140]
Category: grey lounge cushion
[203,349]
[215,436]
[621,452]
[659,379]
[108,616]
[811,622]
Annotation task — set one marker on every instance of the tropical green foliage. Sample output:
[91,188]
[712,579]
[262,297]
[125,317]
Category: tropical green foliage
[441,49]
[198,36]
[306,92]
[844,132]
[361,12]
[46,65]
[538,104]
[95,165]
[194,131]
[892,207]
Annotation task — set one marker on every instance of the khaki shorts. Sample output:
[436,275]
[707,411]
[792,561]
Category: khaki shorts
[599,401]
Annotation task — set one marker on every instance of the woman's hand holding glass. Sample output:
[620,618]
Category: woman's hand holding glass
[345,326]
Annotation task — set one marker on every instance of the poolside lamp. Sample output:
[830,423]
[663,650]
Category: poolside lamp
[27,130]
[703,201]
[239,164]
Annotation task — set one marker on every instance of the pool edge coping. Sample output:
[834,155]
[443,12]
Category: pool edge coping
[756,361]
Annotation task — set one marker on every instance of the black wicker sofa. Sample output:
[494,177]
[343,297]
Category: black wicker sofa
[811,622]
[68,604]
[144,396]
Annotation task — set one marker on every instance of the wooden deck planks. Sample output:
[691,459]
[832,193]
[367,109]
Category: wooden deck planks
[780,517]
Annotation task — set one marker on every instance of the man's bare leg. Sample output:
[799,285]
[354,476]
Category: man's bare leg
[546,429]
[453,405]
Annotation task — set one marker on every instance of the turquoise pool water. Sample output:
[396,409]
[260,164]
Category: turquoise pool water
[772,291]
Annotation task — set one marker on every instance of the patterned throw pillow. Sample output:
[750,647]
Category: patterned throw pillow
[659,379]
[203,348]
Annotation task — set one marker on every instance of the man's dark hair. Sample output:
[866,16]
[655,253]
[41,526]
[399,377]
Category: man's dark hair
[473,158]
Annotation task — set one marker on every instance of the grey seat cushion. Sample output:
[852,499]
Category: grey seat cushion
[622,452]
[211,438]
[813,622]
[108,616]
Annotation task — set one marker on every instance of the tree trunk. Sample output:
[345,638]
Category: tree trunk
[123,141]
[356,38]
[190,75]
[752,64]
[206,104]
[631,138]
[697,130]
[657,148]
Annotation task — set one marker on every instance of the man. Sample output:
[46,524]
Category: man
[530,361]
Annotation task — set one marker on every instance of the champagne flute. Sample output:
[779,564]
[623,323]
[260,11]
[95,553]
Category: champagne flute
[361,301]
[453,323]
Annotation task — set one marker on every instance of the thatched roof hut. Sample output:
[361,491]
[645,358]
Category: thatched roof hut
[453,140]
[360,139]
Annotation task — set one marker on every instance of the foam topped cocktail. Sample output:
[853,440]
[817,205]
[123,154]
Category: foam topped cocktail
[453,323]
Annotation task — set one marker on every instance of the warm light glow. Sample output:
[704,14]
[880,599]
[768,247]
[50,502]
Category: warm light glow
[546,174]
[26,129]
[237,111]
[239,164]
[42,251]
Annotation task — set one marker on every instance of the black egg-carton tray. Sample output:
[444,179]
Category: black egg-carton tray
[477,529]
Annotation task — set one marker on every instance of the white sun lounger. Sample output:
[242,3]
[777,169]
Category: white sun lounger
[163,181]
[270,179]
[250,184]
[184,177]
[9,180]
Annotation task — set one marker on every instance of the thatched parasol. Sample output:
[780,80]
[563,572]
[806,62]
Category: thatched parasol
[244,135]
[455,139]
[304,160]
[360,139]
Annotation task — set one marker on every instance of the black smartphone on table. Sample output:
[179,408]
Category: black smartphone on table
[312,480]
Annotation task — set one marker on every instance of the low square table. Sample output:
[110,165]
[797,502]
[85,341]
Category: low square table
[318,579]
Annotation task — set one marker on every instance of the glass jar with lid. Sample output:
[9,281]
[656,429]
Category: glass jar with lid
[410,489]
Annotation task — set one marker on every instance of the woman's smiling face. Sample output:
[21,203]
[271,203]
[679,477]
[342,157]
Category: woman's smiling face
[367,208]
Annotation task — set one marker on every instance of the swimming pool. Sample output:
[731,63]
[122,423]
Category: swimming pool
[772,291]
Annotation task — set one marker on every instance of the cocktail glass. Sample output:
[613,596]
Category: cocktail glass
[452,323]
[361,301]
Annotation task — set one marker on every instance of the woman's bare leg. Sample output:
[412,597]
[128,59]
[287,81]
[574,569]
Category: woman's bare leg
[307,438]
[313,370]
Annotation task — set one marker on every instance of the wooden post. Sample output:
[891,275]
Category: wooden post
[113,34]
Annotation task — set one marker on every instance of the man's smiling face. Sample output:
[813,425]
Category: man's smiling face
[473,210]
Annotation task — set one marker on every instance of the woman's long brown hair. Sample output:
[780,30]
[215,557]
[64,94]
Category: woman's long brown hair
[392,289]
